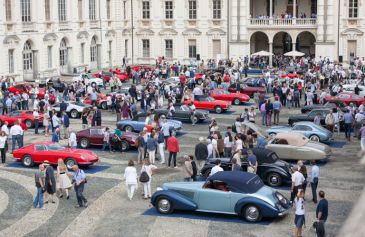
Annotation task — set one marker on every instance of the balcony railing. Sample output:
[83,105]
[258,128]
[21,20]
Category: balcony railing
[283,22]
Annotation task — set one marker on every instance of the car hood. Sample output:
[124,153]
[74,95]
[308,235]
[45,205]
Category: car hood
[279,128]
[131,135]
[255,128]
[266,194]
[319,146]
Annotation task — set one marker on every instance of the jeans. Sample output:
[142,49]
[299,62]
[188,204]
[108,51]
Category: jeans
[228,151]
[348,130]
[276,116]
[105,145]
[36,126]
[3,155]
[16,139]
[173,156]
[162,152]
[263,118]
[140,153]
[81,200]
[38,200]
[314,186]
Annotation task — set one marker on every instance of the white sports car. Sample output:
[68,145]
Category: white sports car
[88,79]
[351,88]
[74,109]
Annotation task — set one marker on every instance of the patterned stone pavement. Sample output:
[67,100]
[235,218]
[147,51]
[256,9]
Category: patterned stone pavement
[111,214]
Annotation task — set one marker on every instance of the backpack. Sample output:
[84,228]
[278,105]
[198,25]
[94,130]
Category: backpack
[234,129]
[144,178]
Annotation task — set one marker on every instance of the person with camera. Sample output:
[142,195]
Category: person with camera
[79,181]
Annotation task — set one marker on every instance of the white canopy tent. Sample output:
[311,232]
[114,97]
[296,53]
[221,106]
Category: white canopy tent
[294,54]
[262,54]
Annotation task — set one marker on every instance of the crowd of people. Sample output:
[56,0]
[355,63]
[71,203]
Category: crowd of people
[312,80]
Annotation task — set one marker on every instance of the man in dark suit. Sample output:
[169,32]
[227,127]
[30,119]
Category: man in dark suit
[96,121]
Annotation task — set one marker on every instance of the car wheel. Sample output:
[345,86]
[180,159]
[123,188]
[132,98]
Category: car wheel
[28,161]
[74,113]
[28,123]
[103,105]
[218,109]
[164,205]
[70,162]
[274,179]
[236,101]
[207,173]
[314,138]
[252,213]
[93,84]
[124,145]
[84,143]
[128,128]
[194,119]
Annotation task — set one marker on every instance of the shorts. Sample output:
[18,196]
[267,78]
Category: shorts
[299,221]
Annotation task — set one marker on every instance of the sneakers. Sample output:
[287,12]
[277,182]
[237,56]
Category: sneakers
[176,167]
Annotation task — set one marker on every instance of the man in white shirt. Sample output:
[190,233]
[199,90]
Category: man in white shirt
[16,133]
[5,128]
[197,91]
[314,180]
[217,168]
[297,181]
[36,120]
[55,122]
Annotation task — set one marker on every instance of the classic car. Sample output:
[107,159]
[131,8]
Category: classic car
[347,98]
[235,98]
[19,88]
[229,192]
[245,89]
[310,116]
[271,169]
[295,146]
[309,129]
[184,114]
[100,101]
[26,116]
[123,77]
[138,123]
[351,88]
[74,109]
[95,136]
[329,105]
[209,103]
[88,79]
[254,82]
[38,152]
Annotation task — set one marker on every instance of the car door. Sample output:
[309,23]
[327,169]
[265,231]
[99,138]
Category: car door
[96,136]
[14,116]
[40,153]
[181,115]
[282,148]
[303,129]
[214,200]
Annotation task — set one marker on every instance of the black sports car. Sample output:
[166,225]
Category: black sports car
[329,105]
[271,169]
[184,114]
[310,116]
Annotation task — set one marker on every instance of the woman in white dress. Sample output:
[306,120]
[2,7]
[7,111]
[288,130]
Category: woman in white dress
[149,168]
[130,175]
[64,183]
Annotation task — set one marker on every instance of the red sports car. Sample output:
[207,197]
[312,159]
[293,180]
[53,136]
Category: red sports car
[26,117]
[123,77]
[19,88]
[38,152]
[209,103]
[243,88]
[100,101]
[235,98]
[347,98]
[95,136]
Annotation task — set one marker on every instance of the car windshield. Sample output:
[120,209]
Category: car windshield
[184,108]
[208,98]
[55,147]
[78,103]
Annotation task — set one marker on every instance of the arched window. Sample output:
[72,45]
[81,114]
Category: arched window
[93,50]
[25,10]
[63,53]
[27,57]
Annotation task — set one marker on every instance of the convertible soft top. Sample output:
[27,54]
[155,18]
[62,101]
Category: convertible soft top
[239,182]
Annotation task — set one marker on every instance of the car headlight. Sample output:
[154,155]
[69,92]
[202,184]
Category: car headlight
[283,201]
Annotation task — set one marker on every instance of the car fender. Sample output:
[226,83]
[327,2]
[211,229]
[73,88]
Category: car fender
[178,201]
[284,174]
[266,209]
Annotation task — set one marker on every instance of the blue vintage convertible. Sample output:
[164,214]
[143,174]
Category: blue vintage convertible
[309,129]
[228,192]
[138,123]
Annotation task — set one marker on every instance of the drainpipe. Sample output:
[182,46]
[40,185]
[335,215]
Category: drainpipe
[101,36]
[228,29]
[132,31]
[338,30]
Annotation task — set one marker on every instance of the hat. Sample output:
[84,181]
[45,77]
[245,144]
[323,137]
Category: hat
[46,162]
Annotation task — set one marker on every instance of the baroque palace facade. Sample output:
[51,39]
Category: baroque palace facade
[42,38]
